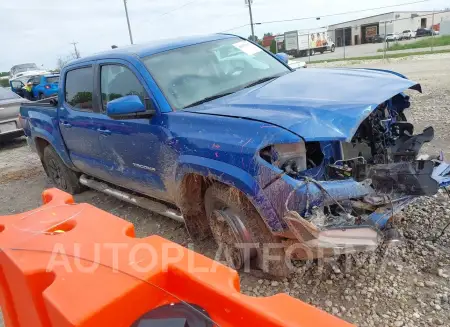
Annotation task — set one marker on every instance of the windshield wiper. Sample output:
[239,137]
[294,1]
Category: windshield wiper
[213,97]
[261,80]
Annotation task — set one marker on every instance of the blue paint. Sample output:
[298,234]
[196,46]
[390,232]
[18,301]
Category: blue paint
[220,139]
[312,102]
[282,57]
[47,86]
[126,105]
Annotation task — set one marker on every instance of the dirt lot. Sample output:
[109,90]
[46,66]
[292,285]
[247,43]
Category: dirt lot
[404,286]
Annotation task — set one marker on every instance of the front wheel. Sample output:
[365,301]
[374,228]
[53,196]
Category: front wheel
[41,96]
[62,176]
[332,48]
[243,235]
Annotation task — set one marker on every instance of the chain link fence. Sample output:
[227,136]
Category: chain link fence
[390,35]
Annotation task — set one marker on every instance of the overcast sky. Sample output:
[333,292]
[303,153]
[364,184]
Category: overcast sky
[40,31]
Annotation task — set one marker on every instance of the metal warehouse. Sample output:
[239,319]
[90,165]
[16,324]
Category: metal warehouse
[358,31]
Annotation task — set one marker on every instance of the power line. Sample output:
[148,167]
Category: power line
[159,16]
[177,8]
[329,15]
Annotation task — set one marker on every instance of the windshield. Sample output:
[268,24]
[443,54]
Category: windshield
[190,74]
[6,94]
[406,31]
[23,68]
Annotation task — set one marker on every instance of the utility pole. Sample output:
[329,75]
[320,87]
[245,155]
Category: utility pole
[432,31]
[76,53]
[344,40]
[251,18]
[128,21]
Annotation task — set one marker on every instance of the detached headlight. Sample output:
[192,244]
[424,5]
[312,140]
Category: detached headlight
[290,157]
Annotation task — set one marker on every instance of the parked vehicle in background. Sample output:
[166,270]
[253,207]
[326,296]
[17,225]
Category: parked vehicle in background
[307,42]
[407,35]
[24,70]
[392,37]
[424,32]
[378,38]
[44,86]
[310,162]
[9,114]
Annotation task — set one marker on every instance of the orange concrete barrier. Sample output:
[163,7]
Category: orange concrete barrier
[67,264]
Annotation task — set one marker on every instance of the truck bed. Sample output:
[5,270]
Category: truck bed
[51,102]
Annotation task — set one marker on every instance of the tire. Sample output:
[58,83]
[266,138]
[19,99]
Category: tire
[63,177]
[224,204]
[41,96]
[332,48]
[311,52]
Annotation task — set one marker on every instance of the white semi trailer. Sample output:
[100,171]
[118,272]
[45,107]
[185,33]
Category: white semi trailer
[302,43]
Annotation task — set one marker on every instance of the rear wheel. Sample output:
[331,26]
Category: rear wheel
[236,225]
[41,96]
[332,48]
[63,177]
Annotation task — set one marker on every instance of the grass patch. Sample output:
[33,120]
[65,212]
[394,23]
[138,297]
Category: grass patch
[437,41]
[394,55]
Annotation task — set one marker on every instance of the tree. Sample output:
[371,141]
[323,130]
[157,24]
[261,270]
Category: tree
[268,34]
[273,46]
[255,39]
[62,61]
[4,82]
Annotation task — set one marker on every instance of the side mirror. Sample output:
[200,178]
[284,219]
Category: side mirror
[282,57]
[128,107]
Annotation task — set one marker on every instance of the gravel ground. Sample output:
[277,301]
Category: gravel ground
[408,285]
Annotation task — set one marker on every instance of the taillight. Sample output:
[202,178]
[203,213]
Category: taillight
[47,87]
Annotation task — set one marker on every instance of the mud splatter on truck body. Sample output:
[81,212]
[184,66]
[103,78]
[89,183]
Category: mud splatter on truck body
[325,162]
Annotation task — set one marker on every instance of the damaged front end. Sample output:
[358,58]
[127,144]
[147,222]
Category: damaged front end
[341,196]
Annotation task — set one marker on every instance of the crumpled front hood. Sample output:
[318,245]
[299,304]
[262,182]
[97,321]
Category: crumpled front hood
[317,104]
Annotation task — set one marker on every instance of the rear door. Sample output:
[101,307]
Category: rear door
[78,119]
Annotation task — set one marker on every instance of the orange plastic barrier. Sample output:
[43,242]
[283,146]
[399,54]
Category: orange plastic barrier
[67,264]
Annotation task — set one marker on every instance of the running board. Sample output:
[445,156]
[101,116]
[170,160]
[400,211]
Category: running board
[137,200]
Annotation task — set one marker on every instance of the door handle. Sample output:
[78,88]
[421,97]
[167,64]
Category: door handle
[104,131]
[66,124]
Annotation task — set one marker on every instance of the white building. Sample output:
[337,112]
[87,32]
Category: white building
[359,30]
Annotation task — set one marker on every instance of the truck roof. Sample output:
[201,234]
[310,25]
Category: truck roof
[144,50]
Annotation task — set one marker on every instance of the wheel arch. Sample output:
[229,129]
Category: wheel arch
[41,140]
[195,174]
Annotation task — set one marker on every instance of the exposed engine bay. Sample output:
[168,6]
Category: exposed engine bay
[377,174]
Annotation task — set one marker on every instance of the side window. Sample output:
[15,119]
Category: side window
[79,88]
[118,81]
[17,84]
[35,80]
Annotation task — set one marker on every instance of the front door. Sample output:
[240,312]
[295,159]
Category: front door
[17,87]
[78,116]
[132,147]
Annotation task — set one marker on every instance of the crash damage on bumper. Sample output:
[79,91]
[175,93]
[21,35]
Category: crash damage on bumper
[341,195]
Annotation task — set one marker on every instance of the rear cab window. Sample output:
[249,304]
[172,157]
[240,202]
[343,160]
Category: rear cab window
[79,88]
[52,79]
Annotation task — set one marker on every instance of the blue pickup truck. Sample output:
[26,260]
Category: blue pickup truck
[273,162]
